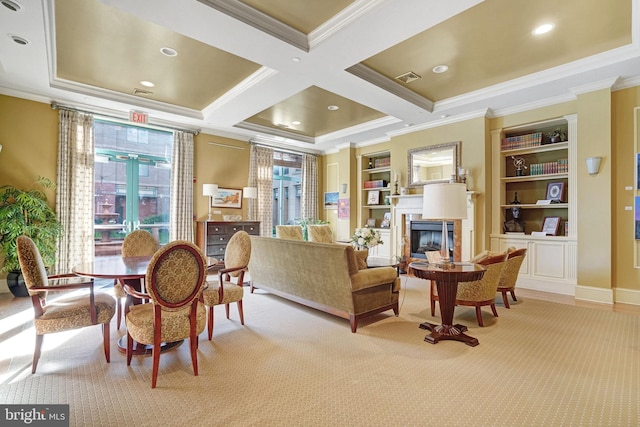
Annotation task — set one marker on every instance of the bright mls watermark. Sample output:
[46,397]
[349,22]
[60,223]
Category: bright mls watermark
[36,415]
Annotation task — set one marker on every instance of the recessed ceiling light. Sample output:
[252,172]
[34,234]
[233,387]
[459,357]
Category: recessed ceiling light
[167,51]
[19,40]
[440,69]
[542,29]
[11,5]
[333,107]
[295,122]
[295,59]
[147,83]
[444,116]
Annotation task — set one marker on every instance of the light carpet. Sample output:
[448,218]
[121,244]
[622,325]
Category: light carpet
[538,364]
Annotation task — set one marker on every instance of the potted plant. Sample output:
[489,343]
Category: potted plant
[26,212]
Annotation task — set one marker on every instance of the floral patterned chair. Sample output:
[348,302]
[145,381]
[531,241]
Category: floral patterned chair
[510,275]
[65,313]
[236,260]
[136,243]
[289,232]
[319,233]
[481,292]
[174,281]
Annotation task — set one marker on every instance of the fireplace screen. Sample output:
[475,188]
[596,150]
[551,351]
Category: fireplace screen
[426,236]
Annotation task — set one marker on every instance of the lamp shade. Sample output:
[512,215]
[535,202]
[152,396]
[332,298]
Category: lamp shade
[444,201]
[249,192]
[209,190]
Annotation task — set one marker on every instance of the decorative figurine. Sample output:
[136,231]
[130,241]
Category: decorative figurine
[515,224]
[519,163]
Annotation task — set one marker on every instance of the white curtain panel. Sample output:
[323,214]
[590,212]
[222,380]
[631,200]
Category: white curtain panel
[309,196]
[74,193]
[181,219]
[261,177]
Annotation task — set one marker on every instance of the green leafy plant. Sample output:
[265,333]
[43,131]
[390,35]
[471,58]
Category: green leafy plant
[26,212]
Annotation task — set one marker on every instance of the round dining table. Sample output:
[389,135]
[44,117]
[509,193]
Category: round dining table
[128,270]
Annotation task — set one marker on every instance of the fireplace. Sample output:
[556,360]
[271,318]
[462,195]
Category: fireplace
[426,236]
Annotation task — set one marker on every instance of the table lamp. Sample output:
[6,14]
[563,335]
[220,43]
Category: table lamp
[444,201]
[249,193]
[210,190]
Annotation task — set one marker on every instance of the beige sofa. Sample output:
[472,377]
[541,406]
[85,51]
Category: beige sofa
[324,276]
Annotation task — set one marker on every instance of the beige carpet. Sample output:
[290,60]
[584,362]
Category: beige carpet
[538,364]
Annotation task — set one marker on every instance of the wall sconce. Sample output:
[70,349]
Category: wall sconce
[593,165]
[343,188]
[210,190]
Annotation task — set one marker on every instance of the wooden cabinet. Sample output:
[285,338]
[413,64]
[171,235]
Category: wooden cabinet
[550,264]
[212,236]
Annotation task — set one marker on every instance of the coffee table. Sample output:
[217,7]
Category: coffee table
[447,280]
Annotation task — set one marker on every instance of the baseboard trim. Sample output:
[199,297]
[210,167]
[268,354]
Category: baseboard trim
[591,294]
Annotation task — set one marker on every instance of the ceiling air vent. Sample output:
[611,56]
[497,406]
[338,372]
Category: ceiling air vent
[141,92]
[408,77]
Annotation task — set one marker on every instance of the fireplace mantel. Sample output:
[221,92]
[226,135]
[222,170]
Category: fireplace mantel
[412,205]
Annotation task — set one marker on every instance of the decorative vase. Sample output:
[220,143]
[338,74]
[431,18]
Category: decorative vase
[16,284]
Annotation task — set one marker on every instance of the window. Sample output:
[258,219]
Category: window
[287,173]
[132,183]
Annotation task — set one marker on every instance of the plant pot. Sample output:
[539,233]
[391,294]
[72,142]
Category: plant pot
[16,284]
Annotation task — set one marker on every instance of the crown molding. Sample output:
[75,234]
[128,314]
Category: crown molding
[341,20]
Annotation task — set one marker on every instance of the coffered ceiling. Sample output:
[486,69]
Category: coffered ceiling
[314,74]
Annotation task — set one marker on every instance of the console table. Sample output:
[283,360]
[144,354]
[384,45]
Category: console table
[212,236]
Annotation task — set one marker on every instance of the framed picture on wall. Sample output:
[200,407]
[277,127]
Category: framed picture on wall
[331,200]
[227,198]
[343,208]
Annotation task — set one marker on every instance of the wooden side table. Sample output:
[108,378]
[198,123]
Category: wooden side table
[447,280]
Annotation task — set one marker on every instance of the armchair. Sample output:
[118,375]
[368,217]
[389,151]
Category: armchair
[236,261]
[174,282]
[65,314]
[289,232]
[319,233]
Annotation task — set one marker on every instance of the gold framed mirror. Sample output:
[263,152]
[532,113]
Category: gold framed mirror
[436,163]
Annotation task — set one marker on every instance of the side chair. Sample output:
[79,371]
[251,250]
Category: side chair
[510,275]
[174,281]
[65,313]
[236,261]
[136,243]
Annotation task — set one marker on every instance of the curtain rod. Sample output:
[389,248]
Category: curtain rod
[284,150]
[56,106]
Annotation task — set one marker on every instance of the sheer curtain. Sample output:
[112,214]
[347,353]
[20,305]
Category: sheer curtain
[74,195]
[181,218]
[309,196]
[261,177]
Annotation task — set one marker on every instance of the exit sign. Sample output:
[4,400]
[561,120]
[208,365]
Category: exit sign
[138,117]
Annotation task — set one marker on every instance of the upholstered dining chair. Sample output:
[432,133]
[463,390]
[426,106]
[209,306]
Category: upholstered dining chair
[225,291]
[481,292]
[174,281]
[510,274]
[319,233]
[65,313]
[136,243]
[289,232]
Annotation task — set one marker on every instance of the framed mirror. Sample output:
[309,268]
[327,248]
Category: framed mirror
[436,163]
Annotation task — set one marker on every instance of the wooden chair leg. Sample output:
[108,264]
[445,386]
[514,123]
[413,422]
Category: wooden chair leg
[193,342]
[504,299]
[513,295]
[479,316]
[129,349]
[353,321]
[210,322]
[36,353]
[106,342]
[226,308]
[156,362]
[118,312]
[241,312]
[493,308]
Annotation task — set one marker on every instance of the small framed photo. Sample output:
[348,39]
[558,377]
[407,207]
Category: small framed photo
[371,222]
[386,220]
[551,225]
[373,197]
[331,200]
[555,191]
[227,198]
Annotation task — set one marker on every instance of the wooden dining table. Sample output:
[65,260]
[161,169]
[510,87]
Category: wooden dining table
[128,270]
